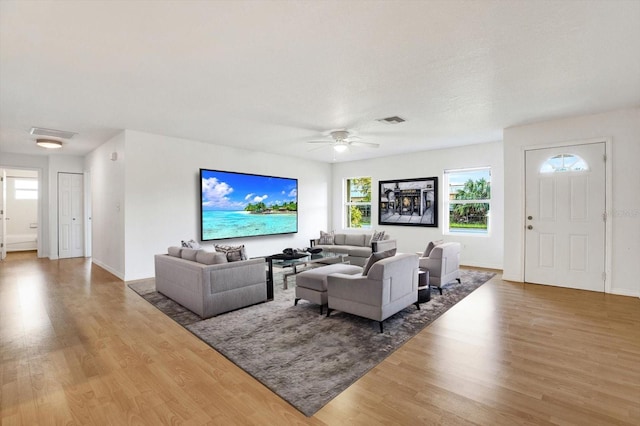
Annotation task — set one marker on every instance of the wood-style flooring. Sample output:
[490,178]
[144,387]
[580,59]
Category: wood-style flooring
[78,347]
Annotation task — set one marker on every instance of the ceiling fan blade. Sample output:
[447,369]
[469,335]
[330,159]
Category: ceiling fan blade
[369,144]
[321,142]
[316,147]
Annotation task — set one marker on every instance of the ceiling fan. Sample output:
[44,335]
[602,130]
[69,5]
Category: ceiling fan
[341,140]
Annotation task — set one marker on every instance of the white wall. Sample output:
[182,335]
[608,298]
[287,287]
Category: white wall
[39,163]
[58,163]
[107,202]
[623,128]
[158,193]
[481,251]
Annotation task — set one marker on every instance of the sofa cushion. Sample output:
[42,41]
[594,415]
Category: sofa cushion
[174,251]
[376,257]
[210,257]
[326,238]
[233,253]
[367,240]
[189,254]
[354,240]
[339,239]
[431,246]
[359,251]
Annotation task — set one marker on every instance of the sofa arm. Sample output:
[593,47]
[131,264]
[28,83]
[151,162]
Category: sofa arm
[233,275]
[429,263]
[383,245]
[355,287]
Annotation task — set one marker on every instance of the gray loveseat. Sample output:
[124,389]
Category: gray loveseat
[357,247]
[207,284]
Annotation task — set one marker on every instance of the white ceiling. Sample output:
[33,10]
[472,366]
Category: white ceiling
[271,75]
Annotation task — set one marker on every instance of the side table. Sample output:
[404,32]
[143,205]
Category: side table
[424,287]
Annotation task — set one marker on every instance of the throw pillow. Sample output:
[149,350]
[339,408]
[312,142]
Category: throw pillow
[377,236]
[376,257]
[190,244]
[326,237]
[431,246]
[233,253]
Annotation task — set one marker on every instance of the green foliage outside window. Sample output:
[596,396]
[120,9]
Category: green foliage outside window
[471,215]
[359,202]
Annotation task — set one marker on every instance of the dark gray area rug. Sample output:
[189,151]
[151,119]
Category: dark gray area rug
[304,357]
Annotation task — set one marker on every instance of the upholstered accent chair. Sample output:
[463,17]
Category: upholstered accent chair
[390,285]
[443,264]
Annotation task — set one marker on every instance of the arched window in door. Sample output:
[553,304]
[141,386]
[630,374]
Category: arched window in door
[564,163]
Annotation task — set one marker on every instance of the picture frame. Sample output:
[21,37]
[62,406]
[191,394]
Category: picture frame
[408,202]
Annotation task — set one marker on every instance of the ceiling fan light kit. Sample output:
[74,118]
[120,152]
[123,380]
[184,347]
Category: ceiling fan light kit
[49,143]
[341,140]
[340,147]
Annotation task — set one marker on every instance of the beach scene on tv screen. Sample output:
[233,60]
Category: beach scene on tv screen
[236,205]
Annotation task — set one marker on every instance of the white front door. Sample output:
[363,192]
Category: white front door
[70,215]
[565,216]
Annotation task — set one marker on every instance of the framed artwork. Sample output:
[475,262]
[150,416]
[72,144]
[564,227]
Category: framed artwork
[409,202]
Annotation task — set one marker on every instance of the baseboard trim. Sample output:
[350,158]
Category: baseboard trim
[625,292]
[108,269]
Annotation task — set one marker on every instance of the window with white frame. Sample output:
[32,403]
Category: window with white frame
[468,201]
[26,189]
[358,202]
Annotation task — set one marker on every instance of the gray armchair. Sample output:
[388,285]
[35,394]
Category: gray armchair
[390,286]
[443,264]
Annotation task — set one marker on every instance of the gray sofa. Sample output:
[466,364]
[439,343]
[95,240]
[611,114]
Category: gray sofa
[207,284]
[357,247]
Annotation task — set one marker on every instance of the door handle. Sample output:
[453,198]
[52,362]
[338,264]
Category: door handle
[530,227]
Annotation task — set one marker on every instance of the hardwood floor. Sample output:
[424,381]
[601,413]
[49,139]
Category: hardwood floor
[77,346]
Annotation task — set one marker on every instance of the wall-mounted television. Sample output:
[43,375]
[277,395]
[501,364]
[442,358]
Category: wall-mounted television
[238,205]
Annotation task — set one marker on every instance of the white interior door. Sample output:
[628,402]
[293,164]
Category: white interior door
[565,216]
[70,215]
[3,214]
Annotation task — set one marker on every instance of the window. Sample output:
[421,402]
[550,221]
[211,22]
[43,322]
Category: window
[26,189]
[358,202]
[564,163]
[469,201]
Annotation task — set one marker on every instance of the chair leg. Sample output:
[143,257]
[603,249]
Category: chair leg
[381,331]
[295,302]
[329,310]
[440,289]
[417,305]
[321,306]
[458,279]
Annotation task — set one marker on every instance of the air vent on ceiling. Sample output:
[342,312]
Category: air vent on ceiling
[392,120]
[40,131]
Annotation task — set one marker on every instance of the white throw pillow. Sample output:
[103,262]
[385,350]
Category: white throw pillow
[326,237]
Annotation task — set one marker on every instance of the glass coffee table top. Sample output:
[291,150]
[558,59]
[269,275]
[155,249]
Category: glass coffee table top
[324,257]
[309,258]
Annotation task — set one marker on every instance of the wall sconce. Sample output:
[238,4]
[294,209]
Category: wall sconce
[114,156]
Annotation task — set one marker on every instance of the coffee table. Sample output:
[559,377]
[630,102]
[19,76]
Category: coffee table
[311,260]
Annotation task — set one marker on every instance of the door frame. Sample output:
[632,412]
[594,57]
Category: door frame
[40,247]
[608,203]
